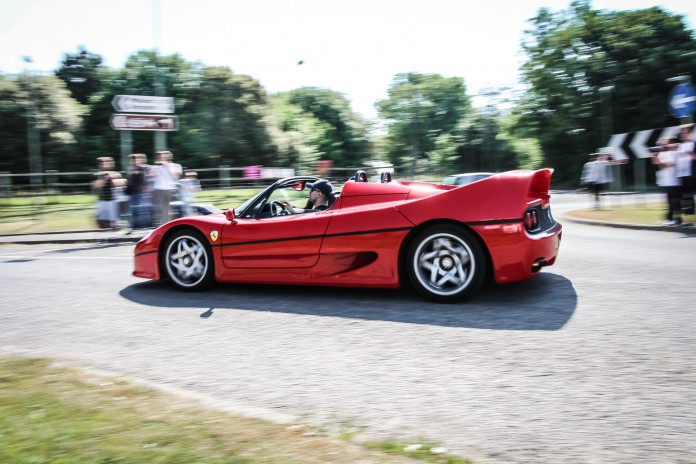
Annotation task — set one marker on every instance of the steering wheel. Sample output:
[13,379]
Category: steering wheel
[278,208]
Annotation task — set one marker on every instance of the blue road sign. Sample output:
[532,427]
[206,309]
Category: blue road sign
[682,100]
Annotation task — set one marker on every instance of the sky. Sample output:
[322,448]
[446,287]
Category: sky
[353,47]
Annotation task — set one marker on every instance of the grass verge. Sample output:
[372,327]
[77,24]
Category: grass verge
[27,215]
[57,415]
[651,214]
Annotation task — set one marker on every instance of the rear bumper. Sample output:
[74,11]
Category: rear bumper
[518,255]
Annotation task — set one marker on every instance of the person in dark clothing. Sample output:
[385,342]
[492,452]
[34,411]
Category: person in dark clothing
[107,179]
[138,212]
[320,195]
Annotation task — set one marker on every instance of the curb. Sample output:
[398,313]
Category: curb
[66,237]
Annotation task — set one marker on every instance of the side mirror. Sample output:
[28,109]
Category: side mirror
[229,214]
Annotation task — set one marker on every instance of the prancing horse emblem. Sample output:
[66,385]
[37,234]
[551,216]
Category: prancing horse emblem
[213,235]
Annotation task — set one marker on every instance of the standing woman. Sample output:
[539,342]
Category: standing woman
[107,179]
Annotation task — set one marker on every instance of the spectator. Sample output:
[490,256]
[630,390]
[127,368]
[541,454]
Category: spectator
[188,186]
[166,176]
[596,175]
[666,161]
[107,181]
[139,209]
[686,159]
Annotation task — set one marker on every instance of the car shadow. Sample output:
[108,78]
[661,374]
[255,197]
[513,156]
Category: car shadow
[546,302]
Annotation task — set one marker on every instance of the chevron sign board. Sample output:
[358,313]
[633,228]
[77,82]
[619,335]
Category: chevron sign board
[637,144]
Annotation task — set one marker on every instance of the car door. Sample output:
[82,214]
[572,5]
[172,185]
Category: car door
[291,241]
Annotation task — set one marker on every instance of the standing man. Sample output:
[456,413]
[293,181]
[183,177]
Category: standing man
[686,159]
[135,188]
[596,174]
[166,176]
[666,161]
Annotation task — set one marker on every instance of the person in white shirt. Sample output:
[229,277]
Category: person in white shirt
[596,175]
[166,176]
[666,161]
[685,167]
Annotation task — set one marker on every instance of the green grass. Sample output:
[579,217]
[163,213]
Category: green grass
[23,215]
[57,415]
[642,214]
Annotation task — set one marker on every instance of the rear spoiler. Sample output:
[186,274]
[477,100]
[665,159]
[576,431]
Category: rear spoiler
[540,184]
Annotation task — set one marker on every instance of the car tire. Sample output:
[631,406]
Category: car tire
[188,260]
[446,264]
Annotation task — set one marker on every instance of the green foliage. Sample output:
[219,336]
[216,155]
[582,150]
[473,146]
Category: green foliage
[223,121]
[424,452]
[80,72]
[42,101]
[574,53]
[318,124]
[61,416]
[13,126]
[484,145]
[419,109]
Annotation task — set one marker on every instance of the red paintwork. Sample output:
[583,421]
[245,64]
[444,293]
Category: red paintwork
[358,241]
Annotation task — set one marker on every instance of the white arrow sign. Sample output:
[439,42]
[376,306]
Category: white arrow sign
[614,147]
[682,99]
[149,122]
[638,145]
[143,104]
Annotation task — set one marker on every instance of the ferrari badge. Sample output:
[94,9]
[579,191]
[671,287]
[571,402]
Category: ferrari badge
[213,235]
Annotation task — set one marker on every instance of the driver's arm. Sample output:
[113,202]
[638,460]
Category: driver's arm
[294,210]
[289,207]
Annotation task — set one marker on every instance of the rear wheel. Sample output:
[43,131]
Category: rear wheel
[188,260]
[446,263]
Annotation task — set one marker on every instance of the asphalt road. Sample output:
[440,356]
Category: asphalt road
[590,362]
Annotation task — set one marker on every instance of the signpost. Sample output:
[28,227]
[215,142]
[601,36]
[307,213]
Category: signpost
[682,101]
[155,115]
[143,104]
[146,122]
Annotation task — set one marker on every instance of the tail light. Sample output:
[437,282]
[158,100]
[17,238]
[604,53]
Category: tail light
[531,221]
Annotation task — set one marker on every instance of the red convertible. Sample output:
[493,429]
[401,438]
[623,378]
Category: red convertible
[444,240]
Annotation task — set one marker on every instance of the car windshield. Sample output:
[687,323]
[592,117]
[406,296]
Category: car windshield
[464,179]
[259,206]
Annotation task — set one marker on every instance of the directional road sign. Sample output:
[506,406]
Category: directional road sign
[145,122]
[143,104]
[682,100]
[638,144]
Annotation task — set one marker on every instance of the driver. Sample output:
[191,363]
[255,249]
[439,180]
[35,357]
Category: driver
[319,195]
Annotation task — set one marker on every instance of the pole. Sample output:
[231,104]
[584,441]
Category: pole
[33,135]
[126,148]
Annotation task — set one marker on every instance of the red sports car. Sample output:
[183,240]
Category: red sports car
[444,240]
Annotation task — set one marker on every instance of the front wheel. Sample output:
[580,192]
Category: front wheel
[446,264]
[188,260]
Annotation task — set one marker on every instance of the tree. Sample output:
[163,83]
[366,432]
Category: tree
[81,74]
[43,102]
[13,127]
[574,53]
[224,120]
[344,136]
[483,145]
[419,109]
